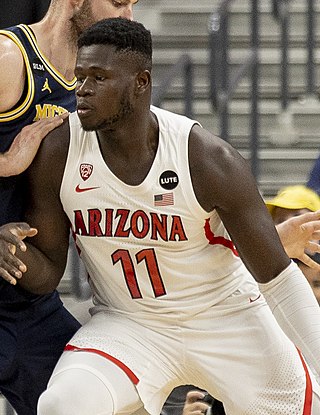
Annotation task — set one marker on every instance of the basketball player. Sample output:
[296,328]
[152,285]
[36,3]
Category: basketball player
[152,198]
[36,81]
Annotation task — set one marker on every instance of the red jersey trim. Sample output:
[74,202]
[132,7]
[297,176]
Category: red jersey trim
[218,240]
[134,379]
[308,395]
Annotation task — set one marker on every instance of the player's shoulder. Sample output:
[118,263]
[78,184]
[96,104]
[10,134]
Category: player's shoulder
[168,118]
[213,164]
[53,151]
[10,52]
[56,143]
[208,147]
[49,164]
[11,72]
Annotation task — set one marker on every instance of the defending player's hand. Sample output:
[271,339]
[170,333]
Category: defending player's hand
[26,144]
[11,238]
[194,404]
[300,234]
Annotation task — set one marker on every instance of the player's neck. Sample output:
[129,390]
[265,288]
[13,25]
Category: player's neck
[129,154]
[57,44]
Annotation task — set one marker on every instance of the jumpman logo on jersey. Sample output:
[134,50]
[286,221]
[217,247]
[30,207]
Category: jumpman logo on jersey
[46,86]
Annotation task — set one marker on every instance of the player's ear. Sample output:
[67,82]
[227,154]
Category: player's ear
[143,81]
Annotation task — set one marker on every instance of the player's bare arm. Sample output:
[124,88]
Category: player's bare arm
[46,257]
[11,80]
[223,180]
[26,144]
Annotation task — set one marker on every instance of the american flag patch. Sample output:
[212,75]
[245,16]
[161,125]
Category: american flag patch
[165,199]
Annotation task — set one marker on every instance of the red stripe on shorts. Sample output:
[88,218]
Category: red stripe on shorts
[121,365]
[308,394]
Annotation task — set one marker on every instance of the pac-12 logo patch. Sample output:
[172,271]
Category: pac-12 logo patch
[169,180]
[85,171]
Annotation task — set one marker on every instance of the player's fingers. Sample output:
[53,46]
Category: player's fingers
[313,247]
[13,233]
[309,262]
[311,226]
[11,267]
[308,228]
[195,408]
[8,277]
[309,216]
[316,235]
[48,124]
[23,232]
[194,396]
[39,129]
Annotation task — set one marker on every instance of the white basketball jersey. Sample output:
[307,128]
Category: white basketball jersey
[150,248]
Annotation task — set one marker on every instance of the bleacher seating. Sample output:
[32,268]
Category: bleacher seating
[289,142]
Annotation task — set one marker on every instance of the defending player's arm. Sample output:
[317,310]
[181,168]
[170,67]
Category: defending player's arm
[222,179]
[22,151]
[11,81]
[46,253]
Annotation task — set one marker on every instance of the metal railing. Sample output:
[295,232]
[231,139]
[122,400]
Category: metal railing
[222,85]
[183,67]
[311,44]
[281,11]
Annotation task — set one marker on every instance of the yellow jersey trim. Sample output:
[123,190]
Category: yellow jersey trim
[17,112]
[69,85]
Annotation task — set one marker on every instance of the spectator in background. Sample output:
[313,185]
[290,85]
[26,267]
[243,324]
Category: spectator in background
[294,201]
[314,177]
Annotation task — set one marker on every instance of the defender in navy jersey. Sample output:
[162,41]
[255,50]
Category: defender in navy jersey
[169,260]
[36,82]
[46,93]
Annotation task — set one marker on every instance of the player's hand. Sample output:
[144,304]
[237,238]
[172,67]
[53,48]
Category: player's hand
[301,234]
[11,239]
[194,404]
[26,144]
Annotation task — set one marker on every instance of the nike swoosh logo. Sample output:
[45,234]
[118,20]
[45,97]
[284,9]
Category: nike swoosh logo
[85,189]
[254,299]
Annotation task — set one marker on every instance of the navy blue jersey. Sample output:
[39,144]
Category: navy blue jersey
[46,94]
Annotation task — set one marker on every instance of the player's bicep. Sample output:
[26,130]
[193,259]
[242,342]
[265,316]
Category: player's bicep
[219,173]
[44,209]
[223,181]
[11,81]
[249,223]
